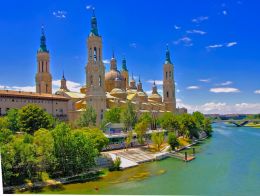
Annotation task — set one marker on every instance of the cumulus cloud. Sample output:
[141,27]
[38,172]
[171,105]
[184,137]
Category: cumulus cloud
[186,41]
[157,82]
[19,88]
[194,31]
[59,14]
[193,87]
[72,86]
[221,107]
[200,19]
[224,90]
[257,91]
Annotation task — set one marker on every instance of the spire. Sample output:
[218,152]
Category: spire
[94,29]
[139,85]
[43,47]
[154,88]
[113,65]
[124,68]
[63,83]
[63,77]
[168,57]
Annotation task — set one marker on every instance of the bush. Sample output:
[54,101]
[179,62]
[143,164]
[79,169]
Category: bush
[116,164]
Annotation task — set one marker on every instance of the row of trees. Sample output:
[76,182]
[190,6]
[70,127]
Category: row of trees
[41,147]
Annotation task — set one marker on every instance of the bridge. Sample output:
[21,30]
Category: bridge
[238,123]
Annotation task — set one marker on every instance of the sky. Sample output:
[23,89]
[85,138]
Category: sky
[214,46]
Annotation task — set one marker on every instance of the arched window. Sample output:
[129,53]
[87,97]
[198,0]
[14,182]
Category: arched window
[90,53]
[99,80]
[91,79]
[167,94]
[166,74]
[95,54]
[42,66]
[170,74]
[99,55]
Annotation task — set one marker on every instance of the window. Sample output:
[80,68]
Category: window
[99,55]
[90,53]
[91,79]
[170,74]
[167,94]
[95,54]
[166,75]
[42,66]
[99,80]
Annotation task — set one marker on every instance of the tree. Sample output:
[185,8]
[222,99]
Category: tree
[158,139]
[147,117]
[199,118]
[32,118]
[128,139]
[113,115]
[44,146]
[207,126]
[87,118]
[170,122]
[3,123]
[100,140]
[172,140]
[188,126]
[140,130]
[129,116]
[13,119]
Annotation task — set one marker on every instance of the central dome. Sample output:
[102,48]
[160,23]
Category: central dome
[112,75]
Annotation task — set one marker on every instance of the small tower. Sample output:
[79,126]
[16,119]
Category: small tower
[139,85]
[63,84]
[95,71]
[125,75]
[132,83]
[43,77]
[169,84]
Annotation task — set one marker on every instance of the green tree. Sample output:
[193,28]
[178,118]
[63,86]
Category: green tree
[87,118]
[199,119]
[172,140]
[32,118]
[147,117]
[129,116]
[3,123]
[113,115]
[207,126]
[188,126]
[98,137]
[140,130]
[44,146]
[13,119]
[128,139]
[158,139]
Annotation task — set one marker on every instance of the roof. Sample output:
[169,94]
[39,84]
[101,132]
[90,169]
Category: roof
[131,96]
[23,94]
[75,95]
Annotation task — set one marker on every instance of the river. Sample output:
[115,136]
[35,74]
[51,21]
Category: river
[226,164]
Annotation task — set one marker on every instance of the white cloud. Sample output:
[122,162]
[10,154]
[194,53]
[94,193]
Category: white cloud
[106,61]
[133,45]
[200,19]
[222,108]
[193,87]
[194,31]
[205,80]
[224,90]
[59,14]
[257,91]
[157,82]
[89,7]
[230,44]
[184,40]
[224,12]
[177,27]
[214,46]
[72,86]
[18,88]
[226,83]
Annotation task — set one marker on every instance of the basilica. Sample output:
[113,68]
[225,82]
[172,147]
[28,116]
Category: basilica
[103,90]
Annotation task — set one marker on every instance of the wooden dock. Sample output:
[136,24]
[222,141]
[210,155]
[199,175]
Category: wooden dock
[181,156]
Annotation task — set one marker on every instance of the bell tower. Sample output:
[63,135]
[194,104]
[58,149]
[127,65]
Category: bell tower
[169,84]
[95,71]
[125,75]
[43,77]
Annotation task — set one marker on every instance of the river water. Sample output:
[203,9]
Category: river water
[226,164]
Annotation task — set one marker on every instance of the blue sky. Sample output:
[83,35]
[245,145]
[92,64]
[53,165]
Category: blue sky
[214,45]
